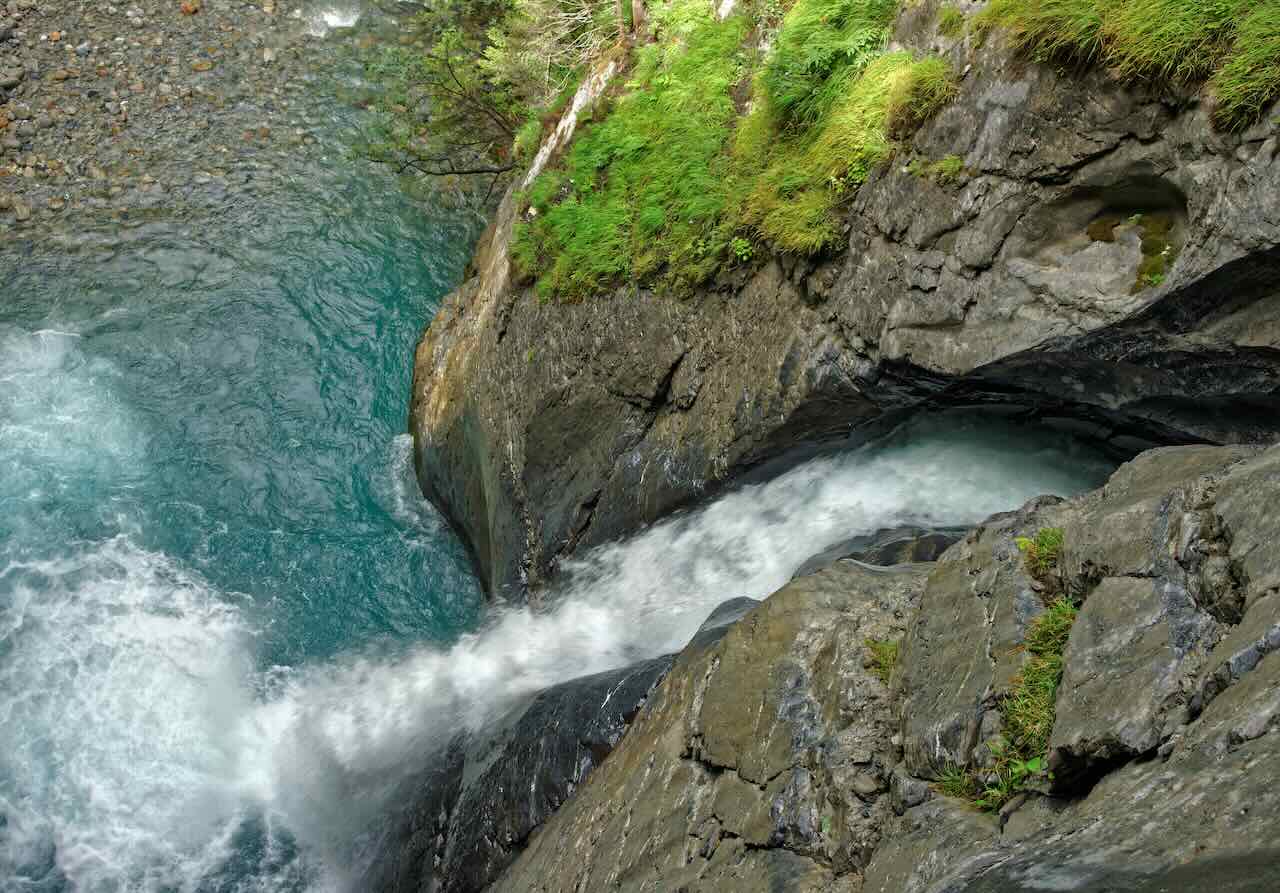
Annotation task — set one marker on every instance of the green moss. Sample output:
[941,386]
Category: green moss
[644,191]
[884,657]
[950,20]
[1158,248]
[1234,43]
[670,183]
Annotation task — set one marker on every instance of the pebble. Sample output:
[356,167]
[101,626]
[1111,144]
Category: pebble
[102,102]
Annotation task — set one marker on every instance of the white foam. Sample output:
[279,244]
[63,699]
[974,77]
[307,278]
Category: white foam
[323,19]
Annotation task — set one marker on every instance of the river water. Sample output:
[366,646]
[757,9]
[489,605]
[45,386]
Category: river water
[229,625]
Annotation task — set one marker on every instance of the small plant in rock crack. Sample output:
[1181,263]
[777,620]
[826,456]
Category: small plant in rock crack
[1042,553]
[1029,709]
[1010,775]
[883,654]
[742,249]
[957,781]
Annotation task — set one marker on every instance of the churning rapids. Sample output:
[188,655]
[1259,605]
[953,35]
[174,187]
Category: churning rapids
[229,625]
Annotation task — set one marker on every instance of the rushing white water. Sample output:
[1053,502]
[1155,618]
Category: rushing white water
[144,741]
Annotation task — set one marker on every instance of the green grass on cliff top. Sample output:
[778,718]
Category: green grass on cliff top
[1234,44]
[661,188]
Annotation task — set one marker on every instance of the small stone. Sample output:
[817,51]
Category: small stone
[190,7]
[906,791]
[84,49]
[202,65]
[21,211]
[55,36]
[6,202]
[11,77]
[865,785]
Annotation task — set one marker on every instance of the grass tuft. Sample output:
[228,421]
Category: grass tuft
[821,47]
[1042,552]
[884,657]
[958,782]
[951,20]
[1028,710]
[804,177]
[1235,44]
[644,191]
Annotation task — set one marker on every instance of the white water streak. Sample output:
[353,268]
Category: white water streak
[141,734]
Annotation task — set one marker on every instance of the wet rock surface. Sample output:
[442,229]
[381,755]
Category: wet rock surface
[471,813]
[542,428]
[776,760]
[884,548]
[761,763]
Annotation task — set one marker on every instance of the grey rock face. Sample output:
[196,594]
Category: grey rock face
[776,761]
[760,764]
[543,428]
[472,811]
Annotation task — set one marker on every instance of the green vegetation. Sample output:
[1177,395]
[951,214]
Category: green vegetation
[884,657]
[528,138]
[822,46]
[1158,248]
[675,181]
[803,174]
[950,20]
[742,249]
[1234,44]
[1028,711]
[959,782]
[943,171]
[1028,708]
[1041,552]
[644,192]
